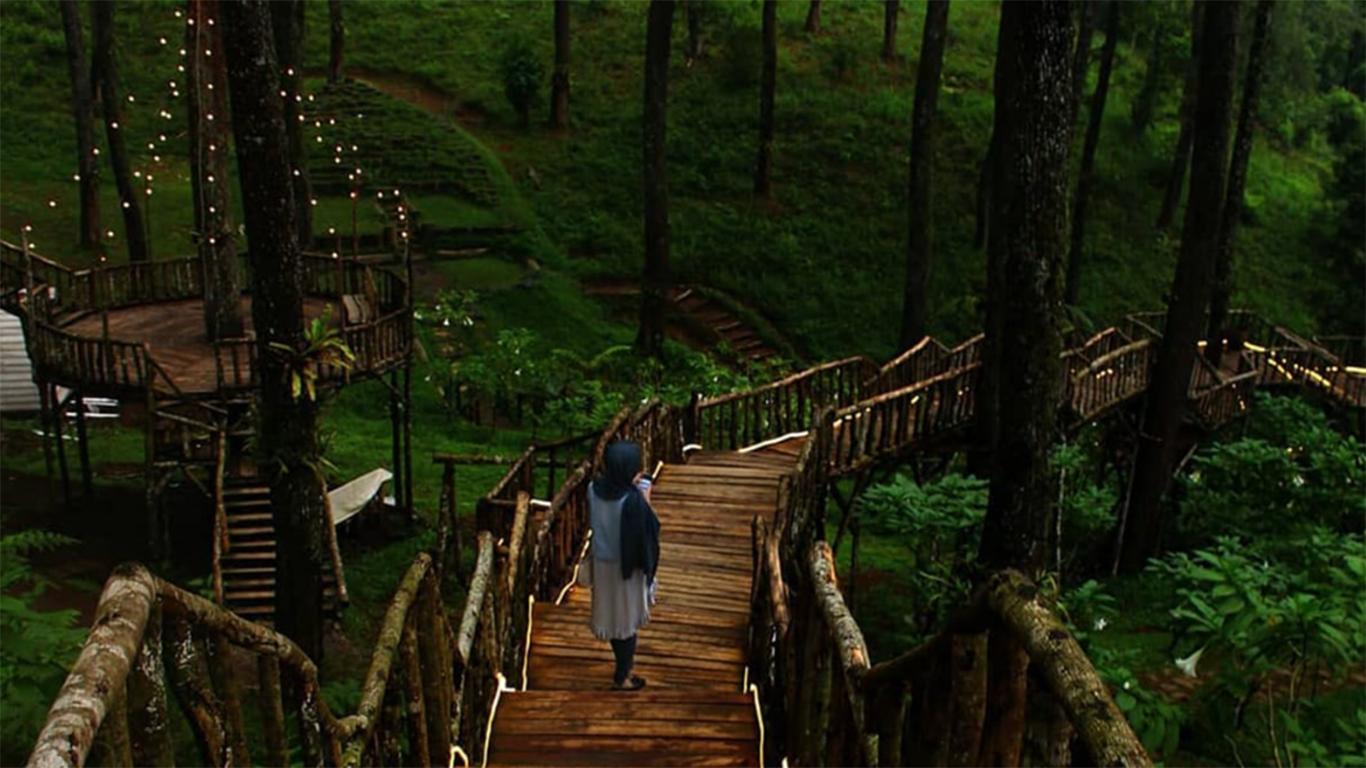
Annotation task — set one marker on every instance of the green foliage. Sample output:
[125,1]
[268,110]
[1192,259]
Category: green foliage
[323,346]
[1294,474]
[1086,508]
[523,74]
[38,645]
[1272,623]
[741,57]
[940,523]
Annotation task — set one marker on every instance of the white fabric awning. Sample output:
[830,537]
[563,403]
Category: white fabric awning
[351,498]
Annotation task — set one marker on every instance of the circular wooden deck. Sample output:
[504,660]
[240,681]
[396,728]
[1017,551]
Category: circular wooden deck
[175,337]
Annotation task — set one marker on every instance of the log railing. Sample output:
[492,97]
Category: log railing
[926,359]
[896,421]
[838,707]
[782,407]
[430,685]
[1109,379]
[74,360]
[541,467]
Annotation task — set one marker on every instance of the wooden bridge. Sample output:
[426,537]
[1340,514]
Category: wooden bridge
[752,656]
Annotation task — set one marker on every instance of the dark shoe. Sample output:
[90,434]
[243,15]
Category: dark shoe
[634,684]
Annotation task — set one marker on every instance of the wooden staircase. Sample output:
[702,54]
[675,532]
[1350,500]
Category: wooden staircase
[245,571]
[743,340]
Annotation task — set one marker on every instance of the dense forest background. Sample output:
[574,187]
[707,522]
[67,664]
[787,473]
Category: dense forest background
[526,335]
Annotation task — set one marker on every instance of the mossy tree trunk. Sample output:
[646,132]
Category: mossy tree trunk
[920,237]
[813,17]
[1141,526]
[206,86]
[1095,119]
[890,10]
[763,167]
[1176,177]
[287,24]
[287,429]
[1237,179]
[654,294]
[83,114]
[107,77]
[559,81]
[1026,247]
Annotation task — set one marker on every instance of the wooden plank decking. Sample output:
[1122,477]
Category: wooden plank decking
[694,711]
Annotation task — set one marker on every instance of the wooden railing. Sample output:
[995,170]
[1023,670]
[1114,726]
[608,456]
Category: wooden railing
[826,702]
[430,686]
[926,359]
[896,421]
[542,466]
[1109,379]
[782,407]
[75,360]
[656,427]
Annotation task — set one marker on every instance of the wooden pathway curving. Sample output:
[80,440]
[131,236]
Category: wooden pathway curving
[693,653]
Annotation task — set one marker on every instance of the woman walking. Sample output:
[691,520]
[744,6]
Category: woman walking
[624,556]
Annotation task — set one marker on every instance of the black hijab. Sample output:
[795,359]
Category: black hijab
[639,525]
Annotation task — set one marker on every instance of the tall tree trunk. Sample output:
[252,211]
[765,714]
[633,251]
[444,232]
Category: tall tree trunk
[920,240]
[559,81]
[83,114]
[287,24]
[763,167]
[890,9]
[336,41]
[206,84]
[983,450]
[1088,154]
[287,429]
[813,17]
[654,294]
[1141,527]
[1237,180]
[1141,113]
[1026,247]
[1176,177]
[984,176]
[693,10]
[1081,59]
[107,75]
[1028,240]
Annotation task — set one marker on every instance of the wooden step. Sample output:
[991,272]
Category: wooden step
[244,530]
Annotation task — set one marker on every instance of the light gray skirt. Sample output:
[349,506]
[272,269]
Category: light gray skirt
[620,606]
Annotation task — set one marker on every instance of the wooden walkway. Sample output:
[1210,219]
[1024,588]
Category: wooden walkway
[694,710]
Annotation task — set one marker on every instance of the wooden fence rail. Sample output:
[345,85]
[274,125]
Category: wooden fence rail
[785,406]
[430,686]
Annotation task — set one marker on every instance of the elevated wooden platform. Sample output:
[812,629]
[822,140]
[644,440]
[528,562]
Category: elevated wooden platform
[176,340]
[694,710]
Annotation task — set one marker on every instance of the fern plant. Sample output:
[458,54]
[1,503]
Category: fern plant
[323,346]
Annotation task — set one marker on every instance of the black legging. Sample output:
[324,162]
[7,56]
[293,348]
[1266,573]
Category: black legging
[625,651]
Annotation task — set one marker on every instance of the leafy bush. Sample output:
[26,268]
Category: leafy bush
[1273,624]
[1310,476]
[940,522]
[741,57]
[37,646]
[522,74]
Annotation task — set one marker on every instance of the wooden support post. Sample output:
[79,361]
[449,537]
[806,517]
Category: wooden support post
[148,715]
[271,701]
[408,442]
[113,743]
[853,565]
[413,693]
[61,444]
[396,441]
[194,692]
[310,723]
[435,654]
[390,728]
[222,655]
[83,446]
[44,419]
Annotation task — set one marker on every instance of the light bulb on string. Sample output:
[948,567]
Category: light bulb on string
[131,98]
[52,203]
